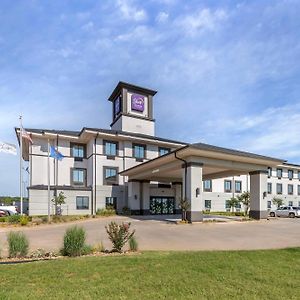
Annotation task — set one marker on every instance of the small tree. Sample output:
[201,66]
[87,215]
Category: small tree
[244,198]
[119,234]
[233,202]
[277,201]
[58,201]
[184,206]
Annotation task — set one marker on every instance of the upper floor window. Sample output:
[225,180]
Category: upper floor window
[238,186]
[162,151]
[299,175]
[269,172]
[78,177]
[78,151]
[110,148]
[290,174]
[139,151]
[82,202]
[279,173]
[110,175]
[227,186]
[207,185]
[279,188]
[290,189]
[269,188]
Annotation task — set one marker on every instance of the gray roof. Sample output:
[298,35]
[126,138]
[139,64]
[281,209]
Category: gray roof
[208,147]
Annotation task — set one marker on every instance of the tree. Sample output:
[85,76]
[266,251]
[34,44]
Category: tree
[233,202]
[277,201]
[244,198]
[58,201]
[184,205]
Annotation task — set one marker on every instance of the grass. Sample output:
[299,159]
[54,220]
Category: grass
[270,274]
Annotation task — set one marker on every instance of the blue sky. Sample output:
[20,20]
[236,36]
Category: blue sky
[227,72]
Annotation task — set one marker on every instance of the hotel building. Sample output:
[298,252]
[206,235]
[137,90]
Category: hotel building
[129,167]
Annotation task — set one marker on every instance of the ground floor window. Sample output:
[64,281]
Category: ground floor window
[207,204]
[227,205]
[111,202]
[269,204]
[82,202]
[290,203]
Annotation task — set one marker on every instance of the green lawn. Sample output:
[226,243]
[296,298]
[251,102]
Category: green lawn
[273,274]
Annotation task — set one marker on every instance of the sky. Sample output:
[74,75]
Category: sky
[227,72]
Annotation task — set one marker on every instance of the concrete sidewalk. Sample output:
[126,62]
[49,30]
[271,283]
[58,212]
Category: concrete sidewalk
[155,234]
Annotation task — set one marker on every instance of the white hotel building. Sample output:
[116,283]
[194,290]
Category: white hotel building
[127,166]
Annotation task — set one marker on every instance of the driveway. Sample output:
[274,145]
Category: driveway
[155,234]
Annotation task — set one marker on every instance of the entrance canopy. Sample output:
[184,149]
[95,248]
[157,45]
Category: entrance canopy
[217,162]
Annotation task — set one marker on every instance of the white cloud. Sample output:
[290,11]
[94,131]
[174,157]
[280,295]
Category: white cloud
[130,12]
[88,26]
[162,17]
[204,19]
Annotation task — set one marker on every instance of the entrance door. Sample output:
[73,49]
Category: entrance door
[162,205]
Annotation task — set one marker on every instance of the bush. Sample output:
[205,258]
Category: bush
[87,249]
[106,212]
[3,219]
[126,211]
[99,247]
[119,234]
[74,241]
[18,244]
[24,220]
[133,244]
[14,219]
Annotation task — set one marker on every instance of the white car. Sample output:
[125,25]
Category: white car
[12,210]
[286,211]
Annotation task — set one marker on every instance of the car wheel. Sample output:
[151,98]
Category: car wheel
[292,215]
[272,214]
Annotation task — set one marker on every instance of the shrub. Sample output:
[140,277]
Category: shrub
[99,247]
[87,249]
[3,219]
[133,244]
[14,219]
[106,212]
[17,244]
[74,241]
[24,220]
[126,211]
[119,234]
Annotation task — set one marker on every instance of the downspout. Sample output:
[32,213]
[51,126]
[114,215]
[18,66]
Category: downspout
[185,174]
[95,175]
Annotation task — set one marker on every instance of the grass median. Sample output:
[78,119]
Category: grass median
[158,275]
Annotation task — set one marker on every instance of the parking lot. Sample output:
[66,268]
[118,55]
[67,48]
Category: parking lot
[157,234]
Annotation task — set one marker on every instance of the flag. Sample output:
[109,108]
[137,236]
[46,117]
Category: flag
[55,154]
[8,148]
[26,135]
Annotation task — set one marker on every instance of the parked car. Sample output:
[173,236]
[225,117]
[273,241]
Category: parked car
[12,210]
[286,211]
[4,213]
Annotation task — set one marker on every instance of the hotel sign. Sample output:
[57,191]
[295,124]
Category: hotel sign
[137,102]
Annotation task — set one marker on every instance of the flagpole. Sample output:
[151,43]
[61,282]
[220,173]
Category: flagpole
[48,181]
[21,166]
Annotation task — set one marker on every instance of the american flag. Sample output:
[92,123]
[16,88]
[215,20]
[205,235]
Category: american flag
[26,135]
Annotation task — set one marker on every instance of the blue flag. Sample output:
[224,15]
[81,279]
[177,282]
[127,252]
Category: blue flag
[55,154]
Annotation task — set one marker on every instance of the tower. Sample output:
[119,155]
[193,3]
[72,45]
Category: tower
[132,108]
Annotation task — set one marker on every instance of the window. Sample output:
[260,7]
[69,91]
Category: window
[298,203]
[299,191]
[78,177]
[110,175]
[78,151]
[269,172]
[290,203]
[207,204]
[139,151]
[238,206]
[110,148]
[279,173]
[290,174]
[269,203]
[207,185]
[279,188]
[111,202]
[299,175]
[227,186]
[238,186]
[82,202]
[290,189]
[269,188]
[227,205]
[163,151]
